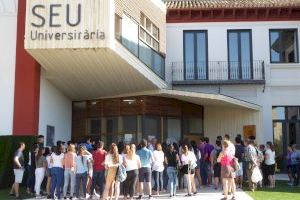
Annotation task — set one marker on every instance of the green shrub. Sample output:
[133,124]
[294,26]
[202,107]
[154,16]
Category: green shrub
[8,145]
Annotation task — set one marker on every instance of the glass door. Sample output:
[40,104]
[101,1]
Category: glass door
[240,54]
[195,55]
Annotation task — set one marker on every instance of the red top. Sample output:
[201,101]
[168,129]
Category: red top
[99,157]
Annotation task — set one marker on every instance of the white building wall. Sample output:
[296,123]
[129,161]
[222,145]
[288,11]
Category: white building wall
[8,34]
[282,80]
[55,110]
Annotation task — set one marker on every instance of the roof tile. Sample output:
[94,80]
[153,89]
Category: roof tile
[185,4]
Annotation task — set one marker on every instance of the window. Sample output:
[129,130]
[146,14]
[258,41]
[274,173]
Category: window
[283,46]
[118,27]
[240,54]
[94,126]
[193,126]
[151,127]
[130,37]
[195,54]
[149,33]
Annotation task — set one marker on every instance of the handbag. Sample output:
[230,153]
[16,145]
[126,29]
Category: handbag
[256,175]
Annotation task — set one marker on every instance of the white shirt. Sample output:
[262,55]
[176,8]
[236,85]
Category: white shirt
[109,161]
[231,148]
[158,163]
[132,164]
[57,160]
[48,158]
[270,157]
[190,158]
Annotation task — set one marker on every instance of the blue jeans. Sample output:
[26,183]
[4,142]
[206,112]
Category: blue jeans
[203,172]
[158,181]
[31,178]
[81,179]
[172,174]
[57,178]
[98,179]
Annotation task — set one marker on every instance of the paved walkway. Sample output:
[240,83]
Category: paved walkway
[205,194]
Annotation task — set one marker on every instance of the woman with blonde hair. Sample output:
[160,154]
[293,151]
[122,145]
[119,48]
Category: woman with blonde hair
[188,160]
[227,171]
[132,163]
[158,168]
[70,176]
[112,162]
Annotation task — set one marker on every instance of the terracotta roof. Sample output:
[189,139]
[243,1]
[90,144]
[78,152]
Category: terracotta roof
[182,4]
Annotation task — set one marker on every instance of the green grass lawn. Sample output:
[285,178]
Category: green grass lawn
[281,192]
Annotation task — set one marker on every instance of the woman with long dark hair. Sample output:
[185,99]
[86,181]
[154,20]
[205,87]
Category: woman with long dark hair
[112,161]
[270,164]
[47,155]
[40,162]
[57,171]
[172,162]
[189,160]
[31,168]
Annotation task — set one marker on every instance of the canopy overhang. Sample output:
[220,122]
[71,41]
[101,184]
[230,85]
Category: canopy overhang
[204,99]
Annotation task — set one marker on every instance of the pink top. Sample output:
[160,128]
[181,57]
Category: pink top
[69,160]
[227,159]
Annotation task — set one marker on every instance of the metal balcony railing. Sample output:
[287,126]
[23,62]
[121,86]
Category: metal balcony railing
[218,72]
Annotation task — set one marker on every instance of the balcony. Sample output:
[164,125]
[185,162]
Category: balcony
[218,73]
[146,55]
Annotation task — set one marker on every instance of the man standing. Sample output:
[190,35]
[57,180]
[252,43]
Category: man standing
[203,174]
[99,168]
[18,165]
[207,164]
[251,158]
[146,158]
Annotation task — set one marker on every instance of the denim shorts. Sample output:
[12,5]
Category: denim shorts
[145,174]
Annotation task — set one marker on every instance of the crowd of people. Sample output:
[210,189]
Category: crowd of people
[89,170]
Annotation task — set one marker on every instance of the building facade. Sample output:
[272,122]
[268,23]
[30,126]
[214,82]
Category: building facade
[124,70]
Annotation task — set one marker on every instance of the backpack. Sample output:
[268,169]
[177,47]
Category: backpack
[121,173]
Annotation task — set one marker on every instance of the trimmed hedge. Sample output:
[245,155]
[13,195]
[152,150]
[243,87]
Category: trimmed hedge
[8,145]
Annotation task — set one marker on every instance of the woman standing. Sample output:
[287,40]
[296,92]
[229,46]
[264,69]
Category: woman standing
[81,170]
[227,171]
[70,164]
[57,171]
[270,164]
[172,162]
[198,157]
[31,168]
[188,160]
[40,162]
[158,168]
[47,155]
[112,161]
[132,163]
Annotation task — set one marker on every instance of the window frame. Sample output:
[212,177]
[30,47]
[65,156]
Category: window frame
[239,52]
[147,32]
[195,53]
[88,126]
[297,45]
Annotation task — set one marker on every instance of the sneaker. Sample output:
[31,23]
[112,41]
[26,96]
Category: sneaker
[233,198]
[139,197]
[11,194]
[150,197]
[188,195]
